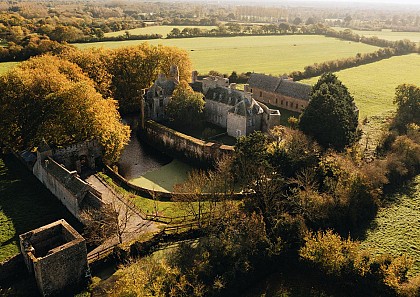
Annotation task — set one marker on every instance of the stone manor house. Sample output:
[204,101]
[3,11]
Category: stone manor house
[225,106]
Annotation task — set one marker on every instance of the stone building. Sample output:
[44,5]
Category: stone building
[158,96]
[227,107]
[281,92]
[56,254]
[233,109]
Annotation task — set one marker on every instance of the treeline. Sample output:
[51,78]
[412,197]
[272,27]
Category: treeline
[297,192]
[340,64]
[390,49]
[30,46]
[125,37]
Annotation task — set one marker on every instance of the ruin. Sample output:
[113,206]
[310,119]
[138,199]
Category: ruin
[56,254]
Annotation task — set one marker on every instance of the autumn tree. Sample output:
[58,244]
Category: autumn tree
[136,68]
[331,117]
[50,99]
[186,106]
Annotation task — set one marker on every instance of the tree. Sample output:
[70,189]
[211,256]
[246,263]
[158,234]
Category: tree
[331,117]
[50,99]
[186,106]
[111,220]
[135,68]
[407,98]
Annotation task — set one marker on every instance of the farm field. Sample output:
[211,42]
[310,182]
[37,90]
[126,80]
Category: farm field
[373,85]
[25,204]
[387,34]
[266,54]
[395,229]
[163,30]
[4,66]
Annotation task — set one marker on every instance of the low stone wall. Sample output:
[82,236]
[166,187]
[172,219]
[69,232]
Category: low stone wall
[183,146]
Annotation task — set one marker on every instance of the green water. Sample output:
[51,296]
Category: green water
[25,204]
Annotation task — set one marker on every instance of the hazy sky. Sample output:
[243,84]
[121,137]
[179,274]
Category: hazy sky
[417,2]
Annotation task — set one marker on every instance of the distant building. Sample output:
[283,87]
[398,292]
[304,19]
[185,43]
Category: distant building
[281,92]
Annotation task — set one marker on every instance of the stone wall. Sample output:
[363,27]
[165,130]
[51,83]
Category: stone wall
[183,146]
[65,185]
[57,256]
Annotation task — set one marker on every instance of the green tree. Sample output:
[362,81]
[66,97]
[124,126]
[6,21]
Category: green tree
[186,106]
[331,117]
[50,99]
[407,98]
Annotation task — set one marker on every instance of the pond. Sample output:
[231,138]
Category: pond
[147,167]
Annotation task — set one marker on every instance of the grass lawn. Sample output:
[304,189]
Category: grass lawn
[4,66]
[165,177]
[267,54]
[395,229]
[163,30]
[25,204]
[373,85]
[387,34]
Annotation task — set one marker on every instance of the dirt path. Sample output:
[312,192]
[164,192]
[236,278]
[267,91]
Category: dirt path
[135,226]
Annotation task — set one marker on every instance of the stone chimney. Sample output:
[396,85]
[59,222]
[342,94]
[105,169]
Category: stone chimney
[194,76]
[174,73]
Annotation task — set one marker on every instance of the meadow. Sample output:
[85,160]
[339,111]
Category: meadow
[4,66]
[373,85]
[395,229]
[267,54]
[386,34]
[163,30]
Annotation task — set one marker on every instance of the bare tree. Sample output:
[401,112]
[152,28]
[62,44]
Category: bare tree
[108,221]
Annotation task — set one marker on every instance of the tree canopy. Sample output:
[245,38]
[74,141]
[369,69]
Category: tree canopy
[407,98]
[50,99]
[331,117]
[186,106]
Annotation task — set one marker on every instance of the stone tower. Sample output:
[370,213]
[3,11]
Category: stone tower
[174,73]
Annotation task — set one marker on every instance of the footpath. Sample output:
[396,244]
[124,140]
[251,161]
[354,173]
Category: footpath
[132,218]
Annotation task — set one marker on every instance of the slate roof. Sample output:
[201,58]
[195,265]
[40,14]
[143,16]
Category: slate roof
[294,89]
[197,86]
[167,85]
[224,95]
[71,182]
[280,86]
[247,108]
[264,82]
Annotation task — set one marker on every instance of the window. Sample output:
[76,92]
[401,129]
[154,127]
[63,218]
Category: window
[260,94]
[160,102]
[249,122]
[250,90]
[281,102]
[238,133]
[287,103]
[277,101]
[297,106]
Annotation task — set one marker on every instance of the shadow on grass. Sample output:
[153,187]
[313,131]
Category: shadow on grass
[25,204]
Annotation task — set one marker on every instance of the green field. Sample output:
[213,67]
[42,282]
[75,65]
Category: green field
[163,30]
[373,85]
[387,34]
[266,54]
[396,228]
[4,66]
[25,204]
